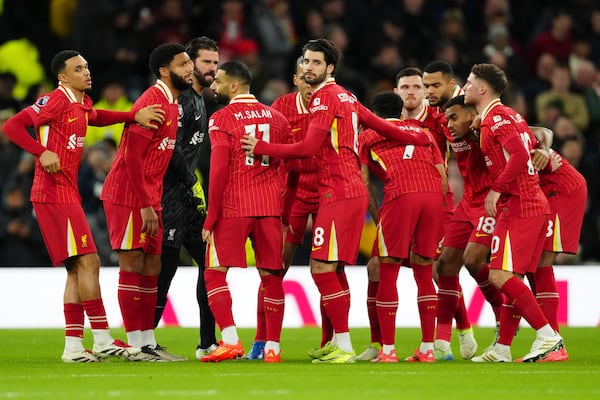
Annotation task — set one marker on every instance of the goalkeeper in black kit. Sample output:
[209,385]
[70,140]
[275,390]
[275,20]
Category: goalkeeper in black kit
[184,201]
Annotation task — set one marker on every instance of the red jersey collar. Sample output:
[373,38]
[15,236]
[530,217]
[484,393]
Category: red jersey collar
[488,108]
[160,85]
[244,98]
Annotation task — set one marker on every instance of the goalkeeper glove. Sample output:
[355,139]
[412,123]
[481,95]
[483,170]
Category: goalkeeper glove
[198,198]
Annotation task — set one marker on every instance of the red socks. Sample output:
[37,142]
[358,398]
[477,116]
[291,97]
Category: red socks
[96,313]
[387,301]
[219,297]
[274,305]
[74,319]
[335,300]
[426,300]
[130,300]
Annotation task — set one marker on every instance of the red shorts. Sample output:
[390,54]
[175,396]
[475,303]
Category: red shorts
[566,218]
[65,230]
[416,228]
[469,225]
[227,245]
[298,219]
[517,243]
[125,229]
[337,230]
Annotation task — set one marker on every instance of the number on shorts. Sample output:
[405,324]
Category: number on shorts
[486,225]
[319,236]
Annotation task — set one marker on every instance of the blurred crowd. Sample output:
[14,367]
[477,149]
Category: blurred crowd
[549,49]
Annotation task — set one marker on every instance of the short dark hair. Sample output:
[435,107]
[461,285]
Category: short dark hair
[200,43]
[493,75]
[458,101]
[162,56]
[408,71]
[237,70]
[439,66]
[387,105]
[325,46]
[59,61]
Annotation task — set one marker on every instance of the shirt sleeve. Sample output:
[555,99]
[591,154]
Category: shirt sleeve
[135,150]
[412,135]
[517,161]
[15,129]
[108,117]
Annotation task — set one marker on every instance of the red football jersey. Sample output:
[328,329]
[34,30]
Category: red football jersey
[254,187]
[118,188]
[500,124]
[564,180]
[291,106]
[404,168]
[432,121]
[471,164]
[337,110]
[61,124]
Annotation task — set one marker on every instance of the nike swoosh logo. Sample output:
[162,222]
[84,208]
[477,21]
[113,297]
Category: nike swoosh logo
[316,248]
[197,117]
[481,234]
[296,129]
[71,119]
[169,122]
[492,258]
[137,298]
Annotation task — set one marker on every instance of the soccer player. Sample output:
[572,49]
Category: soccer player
[294,106]
[515,199]
[61,118]
[132,199]
[183,201]
[412,177]
[245,201]
[469,232]
[439,83]
[566,191]
[333,137]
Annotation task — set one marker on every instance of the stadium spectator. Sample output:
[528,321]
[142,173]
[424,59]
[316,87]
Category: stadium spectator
[574,105]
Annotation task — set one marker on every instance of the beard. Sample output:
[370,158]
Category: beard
[317,79]
[202,79]
[221,98]
[178,82]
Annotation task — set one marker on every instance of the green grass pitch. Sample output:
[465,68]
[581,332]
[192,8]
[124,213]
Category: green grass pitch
[30,369]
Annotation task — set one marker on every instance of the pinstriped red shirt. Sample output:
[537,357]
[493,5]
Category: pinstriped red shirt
[403,168]
[564,181]
[61,123]
[336,110]
[254,186]
[471,164]
[118,188]
[291,106]
[500,124]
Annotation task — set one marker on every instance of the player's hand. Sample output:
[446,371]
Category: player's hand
[152,113]
[539,158]
[287,230]
[476,123]
[149,221]
[248,144]
[50,161]
[490,203]
[206,235]
[555,160]
[198,198]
